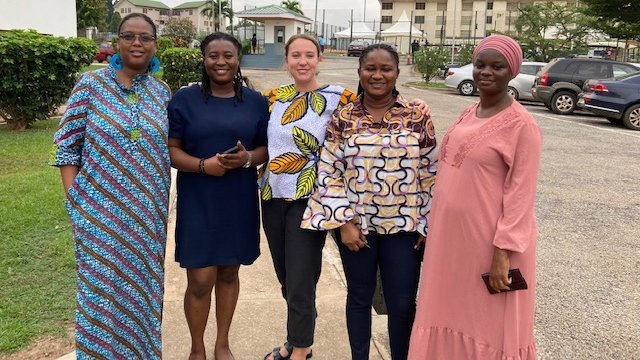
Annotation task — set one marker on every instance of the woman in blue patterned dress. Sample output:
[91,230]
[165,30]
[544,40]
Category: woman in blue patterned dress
[111,148]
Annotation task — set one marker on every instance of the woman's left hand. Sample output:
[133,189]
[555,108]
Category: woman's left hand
[499,274]
[420,104]
[235,160]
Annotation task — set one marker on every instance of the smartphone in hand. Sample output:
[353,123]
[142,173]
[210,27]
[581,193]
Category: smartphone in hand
[232,150]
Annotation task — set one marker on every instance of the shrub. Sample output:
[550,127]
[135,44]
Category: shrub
[180,66]
[37,73]
[164,43]
[181,29]
[246,47]
[429,60]
[465,53]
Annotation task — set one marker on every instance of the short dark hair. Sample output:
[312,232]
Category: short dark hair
[205,82]
[144,17]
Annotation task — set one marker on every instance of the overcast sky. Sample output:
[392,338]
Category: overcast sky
[337,12]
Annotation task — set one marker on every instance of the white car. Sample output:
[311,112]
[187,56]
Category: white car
[519,88]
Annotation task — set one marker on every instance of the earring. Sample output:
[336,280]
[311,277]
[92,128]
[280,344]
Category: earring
[154,65]
[116,61]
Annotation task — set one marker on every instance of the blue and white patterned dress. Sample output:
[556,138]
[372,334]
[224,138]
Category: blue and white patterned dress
[118,205]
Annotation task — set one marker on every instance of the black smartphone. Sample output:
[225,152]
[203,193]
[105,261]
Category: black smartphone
[232,150]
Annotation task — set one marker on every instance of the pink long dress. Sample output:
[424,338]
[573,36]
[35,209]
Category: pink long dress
[484,197]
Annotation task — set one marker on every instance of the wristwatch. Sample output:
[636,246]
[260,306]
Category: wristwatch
[248,163]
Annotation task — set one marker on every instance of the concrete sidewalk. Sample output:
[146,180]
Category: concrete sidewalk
[259,323]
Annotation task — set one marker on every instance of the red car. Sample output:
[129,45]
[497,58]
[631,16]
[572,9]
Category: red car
[104,53]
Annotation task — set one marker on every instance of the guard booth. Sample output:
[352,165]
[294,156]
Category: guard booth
[279,25]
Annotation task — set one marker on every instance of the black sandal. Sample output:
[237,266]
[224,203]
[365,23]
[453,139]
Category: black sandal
[276,352]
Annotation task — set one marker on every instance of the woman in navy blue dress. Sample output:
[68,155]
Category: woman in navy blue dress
[217,211]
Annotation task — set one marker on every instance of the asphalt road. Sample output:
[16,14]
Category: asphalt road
[588,207]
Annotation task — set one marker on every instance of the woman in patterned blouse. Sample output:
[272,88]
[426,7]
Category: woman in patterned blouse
[375,176]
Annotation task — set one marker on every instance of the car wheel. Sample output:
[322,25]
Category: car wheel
[512,92]
[631,118]
[467,88]
[563,102]
[614,120]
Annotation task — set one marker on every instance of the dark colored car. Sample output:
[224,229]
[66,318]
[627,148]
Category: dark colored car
[355,47]
[558,84]
[618,99]
[104,53]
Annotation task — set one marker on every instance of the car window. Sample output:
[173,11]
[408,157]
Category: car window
[595,70]
[622,69]
[529,69]
[633,78]
[572,67]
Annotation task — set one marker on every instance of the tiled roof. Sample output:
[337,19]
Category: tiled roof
[149,4]
[190,5]
[270,10]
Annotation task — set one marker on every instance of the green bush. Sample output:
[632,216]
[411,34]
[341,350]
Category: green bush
[37,73]
[429,60]
[465,53]
[164,43]
[246,47]
[180,66]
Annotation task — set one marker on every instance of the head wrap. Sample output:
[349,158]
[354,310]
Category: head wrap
[506,46]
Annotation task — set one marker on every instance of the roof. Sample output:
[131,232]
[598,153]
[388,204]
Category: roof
[147,4]
[402,27]
[360,31]
[272,12]
[190,5]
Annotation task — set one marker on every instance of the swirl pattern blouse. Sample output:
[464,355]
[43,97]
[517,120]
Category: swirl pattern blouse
[378,173]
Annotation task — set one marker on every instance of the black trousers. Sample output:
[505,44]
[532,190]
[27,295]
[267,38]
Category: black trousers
[297,259]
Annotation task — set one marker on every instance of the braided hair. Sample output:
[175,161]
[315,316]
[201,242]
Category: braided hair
[380,46]
[205,82]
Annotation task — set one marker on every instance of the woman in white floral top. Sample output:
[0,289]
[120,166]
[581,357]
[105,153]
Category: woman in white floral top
[375,180]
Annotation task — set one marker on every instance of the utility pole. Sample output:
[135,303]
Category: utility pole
[323,25]
[351,27]
[442,29]
[315,21]
[364,14]
[453,45]
[231,17]
[475,27]
[484,27]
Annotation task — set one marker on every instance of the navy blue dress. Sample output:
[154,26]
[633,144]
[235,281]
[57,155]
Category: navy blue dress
[217,219]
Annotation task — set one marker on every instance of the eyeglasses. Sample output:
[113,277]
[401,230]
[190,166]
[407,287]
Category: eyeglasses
[130,37]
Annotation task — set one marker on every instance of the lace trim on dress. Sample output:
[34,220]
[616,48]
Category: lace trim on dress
[506,119]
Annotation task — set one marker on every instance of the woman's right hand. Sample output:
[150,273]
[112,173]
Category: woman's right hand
[213,167]
[352,237]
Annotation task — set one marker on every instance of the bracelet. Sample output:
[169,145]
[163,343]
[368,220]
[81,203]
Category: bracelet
[201,167]
[248,163]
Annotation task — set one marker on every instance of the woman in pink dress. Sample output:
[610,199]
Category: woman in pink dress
[482,220]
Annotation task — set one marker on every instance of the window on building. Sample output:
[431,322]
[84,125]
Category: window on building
[465,33]
[386,19]
[144,10]
[440,20]
[128,10]
[387,6]
[419,20]
[121,10]
[489,20]
[176,12]
[164,12]
[512,6]
[439,34]
[467,6]
[190,12]
[465,20]
[490,5]
[420,6]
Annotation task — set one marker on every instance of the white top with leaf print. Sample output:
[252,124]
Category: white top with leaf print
[296,131]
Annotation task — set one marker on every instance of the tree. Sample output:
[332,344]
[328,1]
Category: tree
[292,5]
[551,30]
[110,10]
[429,60]
[616,18]
[181,29]
[227,12]
[115,22]
[91,13]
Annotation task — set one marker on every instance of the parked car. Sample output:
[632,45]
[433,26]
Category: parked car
[444,70]
[558,84]
[618,100]
[104,53]
[519,87]
[355,47]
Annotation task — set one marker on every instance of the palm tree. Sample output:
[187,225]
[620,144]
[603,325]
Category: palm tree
[227,12]
[292,5]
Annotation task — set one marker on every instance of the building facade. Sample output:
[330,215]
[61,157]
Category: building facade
[465,20]
[156,10]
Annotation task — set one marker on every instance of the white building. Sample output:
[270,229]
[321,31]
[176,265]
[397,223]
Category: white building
[45,16]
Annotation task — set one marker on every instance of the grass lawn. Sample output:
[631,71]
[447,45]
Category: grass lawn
[36,251]
[425,85]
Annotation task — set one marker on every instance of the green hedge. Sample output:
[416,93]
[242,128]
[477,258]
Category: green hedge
[37,73]
[180,66]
